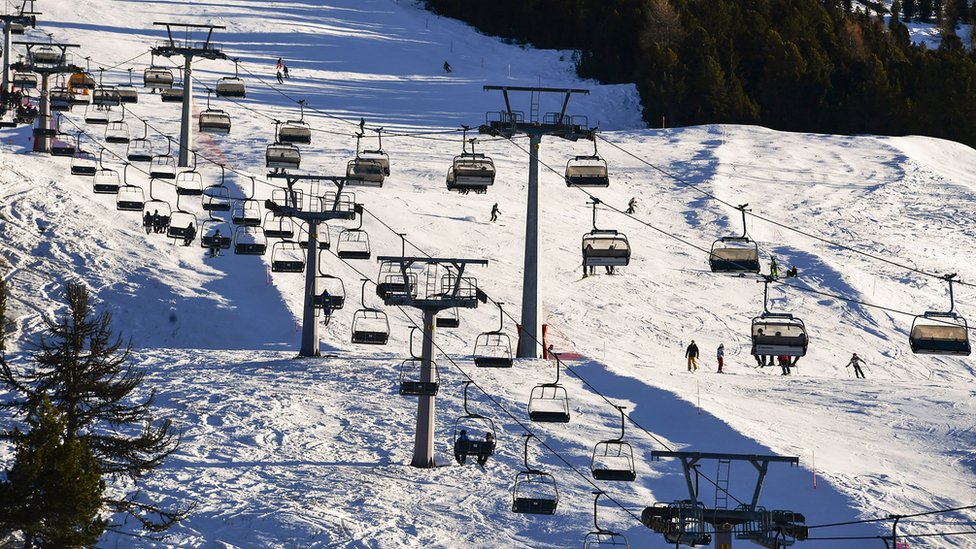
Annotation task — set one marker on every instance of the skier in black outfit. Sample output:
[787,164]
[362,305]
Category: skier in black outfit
[692,355]
[856,362]
[495,212]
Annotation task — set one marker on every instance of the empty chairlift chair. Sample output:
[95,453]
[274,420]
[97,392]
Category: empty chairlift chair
[280,227]
[494,349]
[587,171]
[62,145]
[60,99]
[24,80]
[481,437]
[128,92]
[140,149]
[601,538]
[941,333]
[777,334]
[287,257]
[281,155]
[105,181]
[735,254]
[322,239]
[367,170]
[250,240]
[96,115]
[604,247]
[353,243]
[83,163]
[295,131]
[391,280]
[415,379]
[549,402]
[470,171]
[216,198]
[189,182]
[614,459]
[369,326]
[448,319]
[246,213]
[534,491]
[130,198]
[214,120]
[117,132]
[231,86]
[163,166]
[157,77]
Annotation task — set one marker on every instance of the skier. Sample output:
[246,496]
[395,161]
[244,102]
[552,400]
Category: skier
[856,362]
[720,354]
[784,363]
[495,212]
[284,70]
[280,64]
[773,268]
[190,234]
[362,126]
[586,252]
[632,205]
[280,79]
[447,67]
[792,272]
[147,222]
[692,355]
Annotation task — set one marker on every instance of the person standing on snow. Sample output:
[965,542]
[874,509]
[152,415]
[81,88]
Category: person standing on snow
[856,363]
[691,353]
[495,212]
[632,205]
[720,354]
[773,268]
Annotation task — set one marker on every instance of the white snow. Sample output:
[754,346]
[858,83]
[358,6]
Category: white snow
[283,452]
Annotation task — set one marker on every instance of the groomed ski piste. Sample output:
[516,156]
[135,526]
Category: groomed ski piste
[285,452]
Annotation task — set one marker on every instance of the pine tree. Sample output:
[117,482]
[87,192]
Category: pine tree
[83,368]
[53,491]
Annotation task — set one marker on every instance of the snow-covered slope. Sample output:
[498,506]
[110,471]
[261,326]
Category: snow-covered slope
[315,453]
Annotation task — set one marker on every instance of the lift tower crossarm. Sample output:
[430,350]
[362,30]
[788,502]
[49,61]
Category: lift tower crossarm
[509,123]
[42,129]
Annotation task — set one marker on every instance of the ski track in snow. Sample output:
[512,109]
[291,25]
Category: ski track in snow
[282,452]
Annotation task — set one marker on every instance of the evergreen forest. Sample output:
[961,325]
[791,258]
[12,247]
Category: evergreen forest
[830,66]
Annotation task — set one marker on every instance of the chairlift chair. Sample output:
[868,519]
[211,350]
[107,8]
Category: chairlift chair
[140,149]
[287,257]
[171,95]
[470,171]
[473,425]
[330,292]
[231,86]
[687,525]
[106,96]
[601,538]
[414,381]
[549,402]
[117,132]
[494,349]
[390,280]
[214,120]
[378,154]
[448,319]
[777,334]
[246,213]
[130,198]
[295,131]
[96,115]
[61,144]
[106,180]
[157,211]
[47,55]
[322,238]
[82,80]
[183,225]
[353,243]
[189,182]
[250,240]
[83,163]
[534,491]
[613,459]
[127,92]
[282,156]
[216,198]
[60,99]
[735,254]
[24,80]
[216,231]
[157,77]
[365,171]
[604,247]
[587,171]
[941,333]
[369,326]
[280,227]
[163,166]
